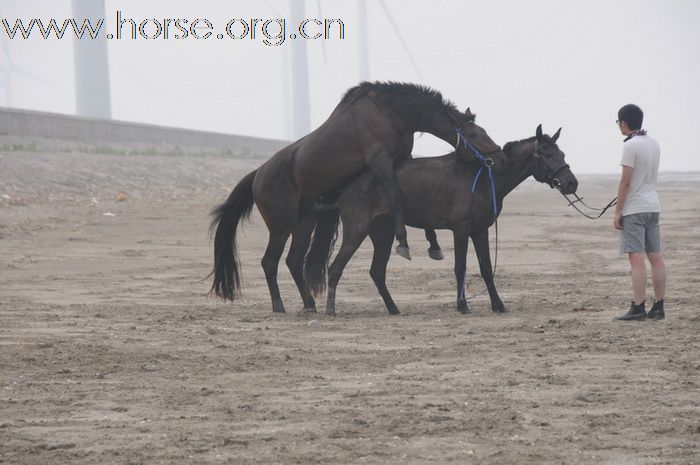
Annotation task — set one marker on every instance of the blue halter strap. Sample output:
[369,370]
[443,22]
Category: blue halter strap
[486,162]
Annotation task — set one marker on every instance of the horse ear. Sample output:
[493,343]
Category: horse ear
[556,135]
[468,112]
[538,133]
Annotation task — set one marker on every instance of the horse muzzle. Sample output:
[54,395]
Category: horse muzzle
[568,185]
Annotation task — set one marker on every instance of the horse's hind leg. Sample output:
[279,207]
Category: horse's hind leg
[270,262]
[382,238]
[383,169]
[434,251]
[301,238]
[353,236]
[481,246]
[461,240]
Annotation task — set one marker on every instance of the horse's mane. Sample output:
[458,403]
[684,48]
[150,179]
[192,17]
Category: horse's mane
[510,145]
[413,102]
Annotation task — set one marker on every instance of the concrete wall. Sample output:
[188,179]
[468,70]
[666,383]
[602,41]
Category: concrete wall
[25,123]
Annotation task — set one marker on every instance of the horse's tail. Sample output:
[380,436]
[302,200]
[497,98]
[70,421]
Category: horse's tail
[226,217]
[316,261]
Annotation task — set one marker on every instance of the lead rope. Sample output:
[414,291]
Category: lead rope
[613,202]
[572,203]
[555,183]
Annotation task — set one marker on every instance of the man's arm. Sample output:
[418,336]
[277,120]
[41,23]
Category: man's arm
[622,191]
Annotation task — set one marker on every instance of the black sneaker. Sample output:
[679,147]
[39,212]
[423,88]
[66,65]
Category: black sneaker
[657,311]
[635,313]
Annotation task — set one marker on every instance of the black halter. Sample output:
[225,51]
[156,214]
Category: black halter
[554,182]
[552,178]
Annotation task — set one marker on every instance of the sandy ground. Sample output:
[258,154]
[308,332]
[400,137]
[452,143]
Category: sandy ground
[110,351]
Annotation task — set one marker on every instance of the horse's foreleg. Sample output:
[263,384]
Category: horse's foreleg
[301,238]
[481,246]
[434,251]
[270,262]
[382,167]
[461,240]
[352,238]
[382,238]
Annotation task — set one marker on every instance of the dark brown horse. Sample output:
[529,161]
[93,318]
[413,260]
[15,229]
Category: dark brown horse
[371,128]
[443,193]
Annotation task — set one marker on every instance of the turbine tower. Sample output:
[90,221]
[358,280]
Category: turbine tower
[301,123]
[362,36]
[92,90]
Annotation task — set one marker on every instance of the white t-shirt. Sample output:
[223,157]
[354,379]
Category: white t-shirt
[642,153]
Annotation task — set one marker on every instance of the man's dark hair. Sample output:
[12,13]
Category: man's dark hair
[632,115]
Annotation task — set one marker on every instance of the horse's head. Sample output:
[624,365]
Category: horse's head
[473,142]
[550,166]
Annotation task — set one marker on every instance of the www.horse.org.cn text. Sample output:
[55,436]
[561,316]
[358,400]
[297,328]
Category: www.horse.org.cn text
[271,32]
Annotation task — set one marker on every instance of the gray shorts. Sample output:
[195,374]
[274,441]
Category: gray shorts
[640,233]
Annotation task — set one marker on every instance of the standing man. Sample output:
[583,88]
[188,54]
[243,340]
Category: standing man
[637,213]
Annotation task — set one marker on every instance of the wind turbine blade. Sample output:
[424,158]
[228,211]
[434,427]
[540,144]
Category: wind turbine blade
[323,42]
[275,12]
[8,55]
[36,78]
[398,34]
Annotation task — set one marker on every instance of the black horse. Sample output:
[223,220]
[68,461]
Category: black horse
[371,128]
[443,193]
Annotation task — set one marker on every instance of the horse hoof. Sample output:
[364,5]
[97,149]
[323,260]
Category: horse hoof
[436,254]
[403,252]
[279,310]
[393,311]
[306,311]
[500,309]
[463,308]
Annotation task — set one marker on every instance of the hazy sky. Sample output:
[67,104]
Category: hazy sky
[515,63]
